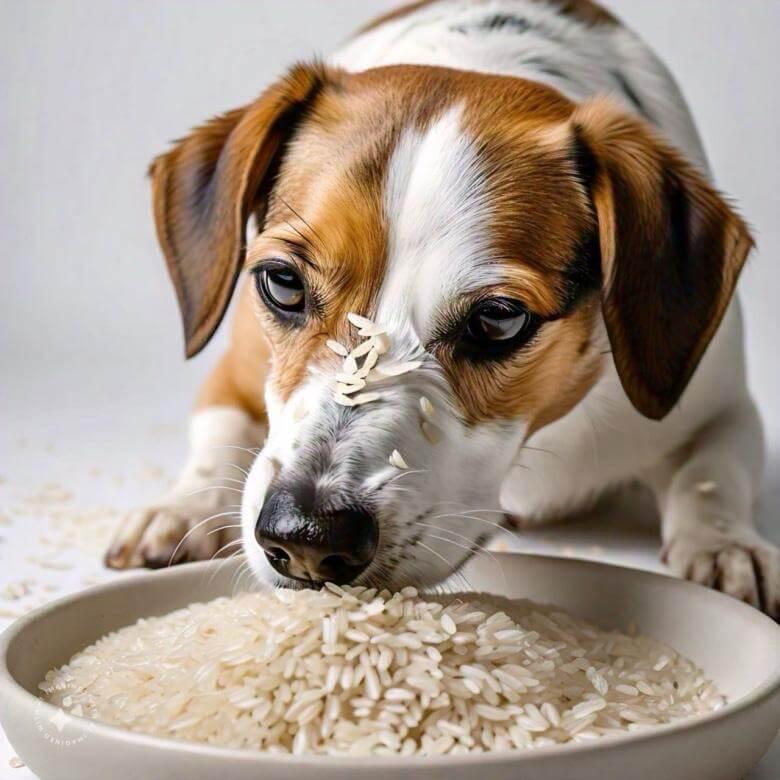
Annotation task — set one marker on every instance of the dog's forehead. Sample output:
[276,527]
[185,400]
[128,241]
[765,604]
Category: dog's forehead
[420,189]
[400,214]
[437,212]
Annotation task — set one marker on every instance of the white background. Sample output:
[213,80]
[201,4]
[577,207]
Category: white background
[92,379]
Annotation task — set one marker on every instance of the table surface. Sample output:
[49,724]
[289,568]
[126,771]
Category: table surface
[65,477]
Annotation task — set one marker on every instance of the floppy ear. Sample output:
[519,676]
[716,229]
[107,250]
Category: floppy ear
[206,187]
[671,252]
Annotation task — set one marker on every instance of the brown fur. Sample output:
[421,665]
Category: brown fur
[562,180]
[205,189]
[539,384]
[335,211]
[671,249]
[239,376]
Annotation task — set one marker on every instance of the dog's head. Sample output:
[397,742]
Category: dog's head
[506,243]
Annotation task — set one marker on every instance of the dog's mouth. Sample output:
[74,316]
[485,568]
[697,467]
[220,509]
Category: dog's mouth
[394,535]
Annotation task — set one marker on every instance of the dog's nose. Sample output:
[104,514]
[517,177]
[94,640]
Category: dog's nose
[315,547]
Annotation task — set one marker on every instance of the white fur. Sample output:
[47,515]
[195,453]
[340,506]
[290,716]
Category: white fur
[436,208]
[586,57]
[436,211]
[183,523]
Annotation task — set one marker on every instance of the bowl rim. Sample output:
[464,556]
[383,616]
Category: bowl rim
[18,698]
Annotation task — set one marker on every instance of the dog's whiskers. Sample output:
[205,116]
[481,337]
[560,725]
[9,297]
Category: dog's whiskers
[221,564]
[474,547]
[225,547]
[236,466]
[195,528]
[403,474]
[232,479]
[213,487]
[223,528]
[238,576]
[454,570]
[498,526]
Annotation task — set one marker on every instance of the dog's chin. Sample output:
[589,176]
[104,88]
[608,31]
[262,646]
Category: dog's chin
[267,577]
[255,488]
[381,573]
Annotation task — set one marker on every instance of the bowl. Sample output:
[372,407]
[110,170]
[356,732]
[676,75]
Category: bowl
[737,647]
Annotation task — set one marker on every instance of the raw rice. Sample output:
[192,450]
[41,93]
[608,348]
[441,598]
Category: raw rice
[353,671]
[396,369]
[397,460]
[359,321]
[426,407]
[431,432]
[337,347]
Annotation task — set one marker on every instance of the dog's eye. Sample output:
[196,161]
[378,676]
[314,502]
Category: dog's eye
[281,288]
[499,325]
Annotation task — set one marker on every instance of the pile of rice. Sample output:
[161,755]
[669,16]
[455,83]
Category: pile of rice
[350,671]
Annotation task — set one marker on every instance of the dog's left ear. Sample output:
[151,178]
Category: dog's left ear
[205,189]
[671,252]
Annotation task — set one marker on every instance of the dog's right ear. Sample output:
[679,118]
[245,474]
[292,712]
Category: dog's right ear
[671,247]
[208,185]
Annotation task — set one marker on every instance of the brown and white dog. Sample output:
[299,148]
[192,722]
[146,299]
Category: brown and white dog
[514,192]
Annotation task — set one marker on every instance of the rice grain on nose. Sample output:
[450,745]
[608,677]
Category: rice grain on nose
[381,343]
[368,363]
[396,369]
[337,347]
[349,379]
[396,459]
[362,349]
[353,376]
[359,321]
[431,432]
[372,330]
[347,389]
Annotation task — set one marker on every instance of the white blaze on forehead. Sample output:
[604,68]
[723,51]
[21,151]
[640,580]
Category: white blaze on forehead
[437,214]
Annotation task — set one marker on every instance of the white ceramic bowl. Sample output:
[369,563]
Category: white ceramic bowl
[735,645]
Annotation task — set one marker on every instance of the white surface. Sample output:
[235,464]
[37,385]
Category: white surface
[108,459]
[90,369]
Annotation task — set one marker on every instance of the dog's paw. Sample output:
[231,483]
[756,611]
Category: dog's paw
[171,532]
[739,563]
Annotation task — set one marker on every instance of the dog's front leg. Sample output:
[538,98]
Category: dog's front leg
[706,494]
[199,515]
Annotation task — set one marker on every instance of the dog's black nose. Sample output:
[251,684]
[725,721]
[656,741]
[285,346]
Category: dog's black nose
[314,547]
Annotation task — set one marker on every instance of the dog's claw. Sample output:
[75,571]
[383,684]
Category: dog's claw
[165,535]
[122,551]
[741,564]
[116,556]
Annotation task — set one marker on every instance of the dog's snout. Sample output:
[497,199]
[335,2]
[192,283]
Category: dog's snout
[314,547]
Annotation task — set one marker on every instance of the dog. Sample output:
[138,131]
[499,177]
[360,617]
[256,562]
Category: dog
[491,277]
